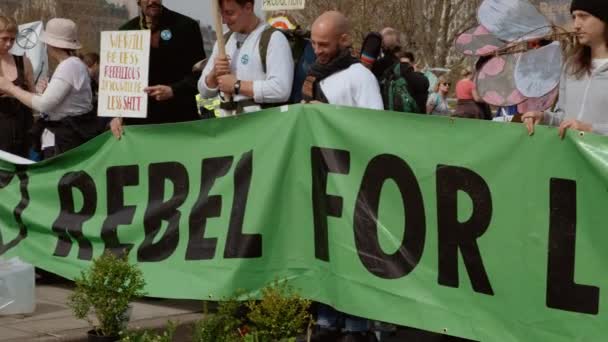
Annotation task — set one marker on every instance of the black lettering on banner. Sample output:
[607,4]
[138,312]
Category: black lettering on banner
[406,258]
[70,222]
[562,292]
[159,210]
[454,234]
[118,177]
[323,162]
[200,247]
[239,245]
[5,180]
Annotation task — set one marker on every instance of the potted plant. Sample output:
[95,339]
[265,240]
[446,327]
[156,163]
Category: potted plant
[105,290]
[225,325]
[280,315]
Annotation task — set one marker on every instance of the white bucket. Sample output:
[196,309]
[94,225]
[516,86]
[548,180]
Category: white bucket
[17,287]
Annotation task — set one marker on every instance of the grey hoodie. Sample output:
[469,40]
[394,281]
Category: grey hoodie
[585,99]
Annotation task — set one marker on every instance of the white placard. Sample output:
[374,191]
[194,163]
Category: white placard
[282,5]
[28,43]
[123,74]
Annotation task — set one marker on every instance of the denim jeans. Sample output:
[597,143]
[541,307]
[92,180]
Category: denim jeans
[330,318]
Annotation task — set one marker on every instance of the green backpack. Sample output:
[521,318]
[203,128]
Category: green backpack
[395,95]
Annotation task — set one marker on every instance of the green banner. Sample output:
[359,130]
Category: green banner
[462,227]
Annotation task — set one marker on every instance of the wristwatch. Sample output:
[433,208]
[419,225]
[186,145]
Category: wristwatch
[237,87]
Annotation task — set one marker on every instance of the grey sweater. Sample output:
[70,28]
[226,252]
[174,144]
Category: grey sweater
[584,99]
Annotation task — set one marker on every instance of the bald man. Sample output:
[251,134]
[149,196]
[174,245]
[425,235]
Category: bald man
[337,77]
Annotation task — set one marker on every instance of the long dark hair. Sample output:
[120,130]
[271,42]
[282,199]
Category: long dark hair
[579,60]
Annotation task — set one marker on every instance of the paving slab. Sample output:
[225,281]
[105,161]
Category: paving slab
[53,319]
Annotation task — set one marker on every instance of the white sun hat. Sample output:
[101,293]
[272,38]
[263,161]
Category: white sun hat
[61,33]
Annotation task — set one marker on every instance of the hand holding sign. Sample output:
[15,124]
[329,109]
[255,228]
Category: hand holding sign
[160,92]
[222,66]
[116,127]
[226,83]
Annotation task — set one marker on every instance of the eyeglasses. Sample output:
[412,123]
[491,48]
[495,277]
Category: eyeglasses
[448,84]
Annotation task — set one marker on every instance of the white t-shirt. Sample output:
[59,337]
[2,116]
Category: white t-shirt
[598,63]
[274,86]
[354,87]
[69,92]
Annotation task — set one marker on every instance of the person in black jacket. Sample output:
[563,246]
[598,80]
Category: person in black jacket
[176,46]
[390,47]
[417,84]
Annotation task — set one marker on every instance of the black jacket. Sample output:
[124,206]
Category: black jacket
[180,47]
[383,63]
[417,85]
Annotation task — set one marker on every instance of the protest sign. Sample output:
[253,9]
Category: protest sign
[123,74]
[282,5]
[28,43]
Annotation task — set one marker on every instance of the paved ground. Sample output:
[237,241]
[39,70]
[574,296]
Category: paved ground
[53,320]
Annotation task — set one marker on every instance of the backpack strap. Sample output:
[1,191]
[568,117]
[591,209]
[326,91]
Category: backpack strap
[264,42]
[227,36]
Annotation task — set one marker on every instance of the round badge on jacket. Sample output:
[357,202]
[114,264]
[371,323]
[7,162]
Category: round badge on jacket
[166,35]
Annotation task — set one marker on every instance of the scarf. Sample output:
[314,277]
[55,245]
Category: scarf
[311,90]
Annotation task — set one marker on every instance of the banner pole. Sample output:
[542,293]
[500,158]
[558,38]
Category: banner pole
[219,33]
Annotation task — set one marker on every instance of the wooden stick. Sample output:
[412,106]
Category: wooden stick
[219,33]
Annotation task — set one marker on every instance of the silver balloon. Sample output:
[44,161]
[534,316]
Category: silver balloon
[513,20]
[538,71]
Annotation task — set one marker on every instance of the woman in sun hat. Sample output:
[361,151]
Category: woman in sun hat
[68,118]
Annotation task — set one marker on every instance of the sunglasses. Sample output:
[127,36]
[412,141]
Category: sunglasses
[448,84]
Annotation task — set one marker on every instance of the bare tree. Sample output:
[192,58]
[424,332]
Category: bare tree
[428,27]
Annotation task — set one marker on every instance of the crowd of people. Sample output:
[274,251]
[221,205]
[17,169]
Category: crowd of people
[258,72]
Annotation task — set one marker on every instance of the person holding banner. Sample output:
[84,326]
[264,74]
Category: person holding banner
[250,83]
[582,99]
[15,118]
[338,78]
[176,46]
[69,119]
